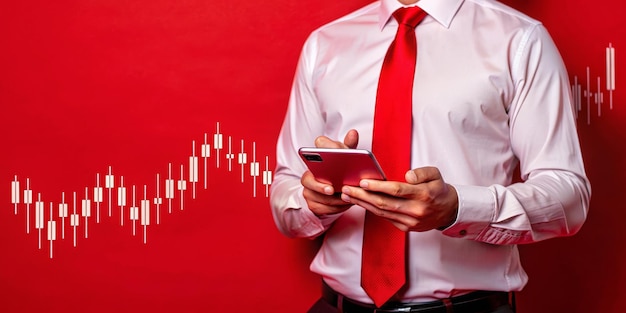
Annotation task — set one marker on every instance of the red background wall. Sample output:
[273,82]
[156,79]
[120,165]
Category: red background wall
[85,85]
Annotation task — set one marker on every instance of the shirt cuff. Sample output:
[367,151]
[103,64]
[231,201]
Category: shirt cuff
[477,208]
[305,223]
[324,220]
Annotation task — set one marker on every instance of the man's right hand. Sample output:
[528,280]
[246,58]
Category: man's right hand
[322,198]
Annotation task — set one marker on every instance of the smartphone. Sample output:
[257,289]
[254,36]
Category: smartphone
[340,167]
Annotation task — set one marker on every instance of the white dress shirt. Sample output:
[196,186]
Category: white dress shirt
[490,92]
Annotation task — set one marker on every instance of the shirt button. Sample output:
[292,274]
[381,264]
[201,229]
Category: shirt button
[463,232]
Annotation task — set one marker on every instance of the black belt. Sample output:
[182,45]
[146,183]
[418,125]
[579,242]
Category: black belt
[474,302]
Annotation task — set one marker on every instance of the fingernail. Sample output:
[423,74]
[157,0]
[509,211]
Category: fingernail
[411,177]
[345,190]
[345,197]
[364,184]
[328,190]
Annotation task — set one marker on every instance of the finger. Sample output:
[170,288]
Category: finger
[391,188]
[377,200]
[324,199]
[309,182]
[424,192]
[393,214]
[325,142]
[320,197]
[406,215]
[352,139]
[401,204]
[422,175]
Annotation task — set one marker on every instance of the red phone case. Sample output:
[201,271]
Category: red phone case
[340,167]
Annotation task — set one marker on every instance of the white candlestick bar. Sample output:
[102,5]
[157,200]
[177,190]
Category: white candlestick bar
[158,201]
[28,200]
[206,153]
[217,144]
[15,193]
[267,176]
[242,159]
[52,230]
[610,67]
[134,212]
[97,197]
[86,211]
[576,96]
[193,169]
[579,93]
[182,186]
[588,95]
[599,98]
[254,169]
[169,188]
[39,216]
[145,213]
[74,219]
[63,214]
[109,183]
[610,72]
[230,155]
[121,199]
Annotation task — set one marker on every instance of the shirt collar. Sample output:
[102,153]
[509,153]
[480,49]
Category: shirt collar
[443,11]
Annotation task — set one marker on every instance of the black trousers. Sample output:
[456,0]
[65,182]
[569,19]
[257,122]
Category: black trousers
[321,306]
[324,305]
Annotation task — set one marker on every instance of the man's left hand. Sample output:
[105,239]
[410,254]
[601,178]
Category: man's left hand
[424,202]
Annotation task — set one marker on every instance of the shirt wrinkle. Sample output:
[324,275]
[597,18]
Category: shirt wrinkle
[457,105]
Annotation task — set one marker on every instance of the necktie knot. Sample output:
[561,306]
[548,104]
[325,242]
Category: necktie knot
[409,16]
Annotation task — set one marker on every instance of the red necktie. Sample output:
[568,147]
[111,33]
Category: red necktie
[383,264]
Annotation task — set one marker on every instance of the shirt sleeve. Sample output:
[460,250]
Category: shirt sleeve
[553,198]
[302,124]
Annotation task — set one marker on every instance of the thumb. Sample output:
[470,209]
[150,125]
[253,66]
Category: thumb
[422,175]
[352,139]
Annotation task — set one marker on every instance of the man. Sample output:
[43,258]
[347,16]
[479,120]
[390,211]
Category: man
[490,95]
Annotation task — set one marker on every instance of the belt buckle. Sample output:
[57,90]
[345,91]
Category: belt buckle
[394,310]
